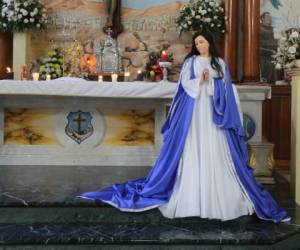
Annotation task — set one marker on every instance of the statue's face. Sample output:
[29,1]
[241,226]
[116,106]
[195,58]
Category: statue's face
[267,20]
[202,45]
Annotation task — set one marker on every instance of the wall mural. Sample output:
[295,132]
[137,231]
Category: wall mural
[148,26]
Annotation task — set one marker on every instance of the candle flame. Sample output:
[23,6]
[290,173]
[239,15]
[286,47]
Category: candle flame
[8,70]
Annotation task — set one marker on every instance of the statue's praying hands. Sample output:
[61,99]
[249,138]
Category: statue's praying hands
[205,76]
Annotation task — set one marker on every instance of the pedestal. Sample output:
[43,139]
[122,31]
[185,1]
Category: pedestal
[21,43]
[295,134]
[262,161]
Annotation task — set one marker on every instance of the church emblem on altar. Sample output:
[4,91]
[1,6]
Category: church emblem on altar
[249,126]
[79,126]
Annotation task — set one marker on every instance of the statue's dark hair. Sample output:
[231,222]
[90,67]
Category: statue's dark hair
[213,52]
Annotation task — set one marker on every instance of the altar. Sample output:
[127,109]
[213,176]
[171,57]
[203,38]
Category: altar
[66,136]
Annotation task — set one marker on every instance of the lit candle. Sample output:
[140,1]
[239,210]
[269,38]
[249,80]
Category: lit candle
[114,77]
[35,76]
[126,76]
[100,78]
[164,56]
[48,77]
[9,73]
[139,75]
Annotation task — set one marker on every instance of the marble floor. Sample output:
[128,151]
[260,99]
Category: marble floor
[85,225]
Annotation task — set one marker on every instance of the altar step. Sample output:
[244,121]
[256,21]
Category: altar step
[103,227]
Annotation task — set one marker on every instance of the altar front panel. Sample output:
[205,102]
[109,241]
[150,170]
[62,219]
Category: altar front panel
[35,126]
[120,128]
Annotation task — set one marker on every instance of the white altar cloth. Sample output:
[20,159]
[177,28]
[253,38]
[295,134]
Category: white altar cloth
[69,86]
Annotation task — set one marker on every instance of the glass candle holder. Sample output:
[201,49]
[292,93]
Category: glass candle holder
[35,76]
[114,77]
[126,76]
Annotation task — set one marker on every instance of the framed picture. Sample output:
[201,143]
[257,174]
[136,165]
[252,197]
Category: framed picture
[276,17]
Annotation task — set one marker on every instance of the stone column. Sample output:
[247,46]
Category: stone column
[251,41]
[295,134]
[21,44]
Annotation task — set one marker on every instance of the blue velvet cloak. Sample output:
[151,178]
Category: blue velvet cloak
[156,188]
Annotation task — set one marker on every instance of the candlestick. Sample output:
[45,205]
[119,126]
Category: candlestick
[35,76]
[48,77]
[100,78]
[9,73]
[165,66]
[164,56]
[139,76]
[114,77]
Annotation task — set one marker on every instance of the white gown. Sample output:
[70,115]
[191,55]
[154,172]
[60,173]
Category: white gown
[206,183]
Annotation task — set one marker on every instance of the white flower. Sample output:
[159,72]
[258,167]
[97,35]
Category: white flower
[20,16]
[282,39]
[198,17]
[209,9]
[4,25]
[11,13]
[211,4]
[25,4]
[215,17]
[32,20]
[24,12]
[32,13]
[212,25]
[193,13]
[278,66]
[292,50]
[25,20]
[295,34]
[38,25]
[207,19]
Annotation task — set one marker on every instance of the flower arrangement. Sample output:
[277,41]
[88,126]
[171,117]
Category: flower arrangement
[21,15]
[153,70]
[288,50]
[202,15]
[52,64]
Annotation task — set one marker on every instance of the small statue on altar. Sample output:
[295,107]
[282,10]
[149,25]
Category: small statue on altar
[108,55]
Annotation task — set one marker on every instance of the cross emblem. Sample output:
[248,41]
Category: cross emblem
[79,120]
